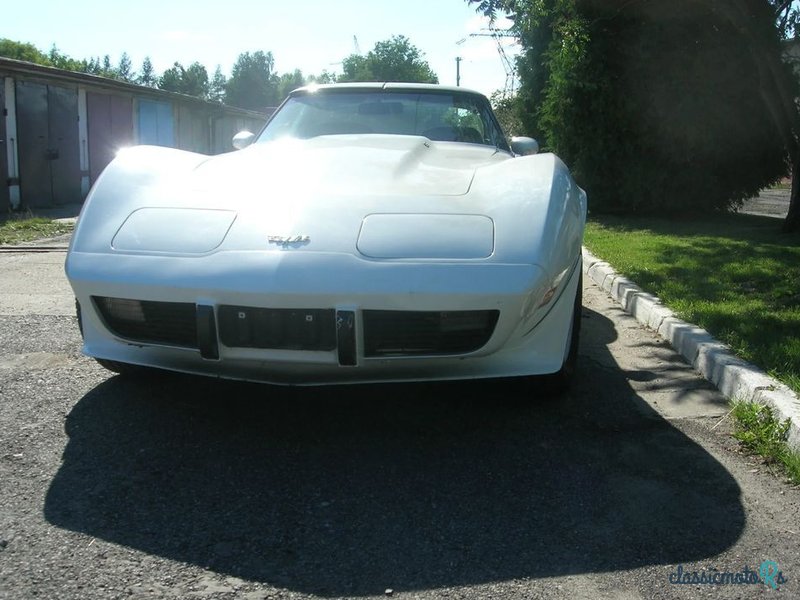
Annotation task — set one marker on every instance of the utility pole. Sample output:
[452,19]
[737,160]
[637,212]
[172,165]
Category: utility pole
[458,71]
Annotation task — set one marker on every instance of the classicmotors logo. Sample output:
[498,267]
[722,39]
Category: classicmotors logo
[767,574]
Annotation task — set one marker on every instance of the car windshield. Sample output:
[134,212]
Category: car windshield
[439,116]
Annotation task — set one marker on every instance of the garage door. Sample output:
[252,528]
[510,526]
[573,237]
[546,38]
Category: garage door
[47,127]
[110,126]
[156,123]
[4,149]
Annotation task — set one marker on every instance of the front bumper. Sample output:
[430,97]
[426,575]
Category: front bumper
[527,339]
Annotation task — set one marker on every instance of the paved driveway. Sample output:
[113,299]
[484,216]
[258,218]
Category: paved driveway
[768,203]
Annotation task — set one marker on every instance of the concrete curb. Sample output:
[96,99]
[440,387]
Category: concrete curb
[734,377]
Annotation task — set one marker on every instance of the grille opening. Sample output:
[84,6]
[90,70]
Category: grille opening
[418,333]
[277,328]
[170,323]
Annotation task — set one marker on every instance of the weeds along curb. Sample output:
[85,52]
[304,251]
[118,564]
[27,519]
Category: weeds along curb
[734,377]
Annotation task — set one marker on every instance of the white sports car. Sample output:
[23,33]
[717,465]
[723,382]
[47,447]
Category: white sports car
[370,232]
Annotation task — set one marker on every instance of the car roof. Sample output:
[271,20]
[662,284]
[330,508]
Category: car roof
[384,85]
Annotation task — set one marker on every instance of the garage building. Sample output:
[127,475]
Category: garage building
[59,129]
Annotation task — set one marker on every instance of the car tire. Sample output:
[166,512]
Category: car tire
[112,365]
[560,381]
[556,384]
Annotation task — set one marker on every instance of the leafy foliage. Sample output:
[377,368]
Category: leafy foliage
[125,68]
[23,51]
[216,88]
[395,59]
[61,61]
[253,83]
[508,110]
[147,76]
[759,431]
[787,17]
[657,107]
[30,53]
[192,80]
[322,78]
[289,82]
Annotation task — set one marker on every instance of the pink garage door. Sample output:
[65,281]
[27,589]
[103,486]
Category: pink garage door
[110,125]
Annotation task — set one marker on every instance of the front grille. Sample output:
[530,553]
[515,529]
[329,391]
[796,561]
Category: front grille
[417,333]
[170,323]
[277,328]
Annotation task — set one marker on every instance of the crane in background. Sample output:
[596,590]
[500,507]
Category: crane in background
[356,50]
[510,68]
[508,65]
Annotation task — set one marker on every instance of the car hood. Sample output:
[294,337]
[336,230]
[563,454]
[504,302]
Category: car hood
[373,196]
[377,165]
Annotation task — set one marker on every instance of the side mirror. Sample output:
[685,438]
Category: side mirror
[524,146]
[243,139]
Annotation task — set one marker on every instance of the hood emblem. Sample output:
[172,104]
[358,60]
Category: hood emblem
[284,241]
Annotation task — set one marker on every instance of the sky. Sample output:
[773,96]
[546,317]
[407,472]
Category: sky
[313,35]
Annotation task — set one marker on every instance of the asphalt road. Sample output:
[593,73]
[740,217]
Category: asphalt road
[178,487]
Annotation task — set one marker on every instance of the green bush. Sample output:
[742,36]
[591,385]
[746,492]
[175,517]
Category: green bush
[656,106]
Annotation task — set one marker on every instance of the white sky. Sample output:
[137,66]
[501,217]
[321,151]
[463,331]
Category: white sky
[312,36]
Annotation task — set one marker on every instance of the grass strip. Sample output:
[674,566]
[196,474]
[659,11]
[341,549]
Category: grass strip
[17,230]
[736,276]
[759,432]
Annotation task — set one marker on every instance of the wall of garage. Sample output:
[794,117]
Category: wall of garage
[5,157]
[59,129]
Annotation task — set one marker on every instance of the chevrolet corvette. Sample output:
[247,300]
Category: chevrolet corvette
[370,232]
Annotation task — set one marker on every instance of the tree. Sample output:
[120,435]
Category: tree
[62,61]
[507,109]
[252,84]
[171,80]
[107,69]
[787,18]
[395,59]
[216,89]
[781,99]
[290,81]
[192,81]
[91,66]
[125,68]
[195,81]
[660,107]
[23,51]
[322,78]
[96,66]
[147,75]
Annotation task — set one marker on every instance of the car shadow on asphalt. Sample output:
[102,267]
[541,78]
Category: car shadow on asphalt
[351,490]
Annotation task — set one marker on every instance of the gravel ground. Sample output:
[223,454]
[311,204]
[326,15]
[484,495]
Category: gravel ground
[177,487]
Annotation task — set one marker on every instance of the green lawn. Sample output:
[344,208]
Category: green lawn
[735,275]
[16,230]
